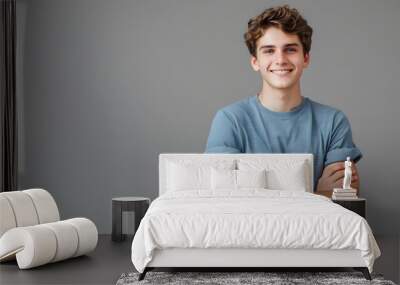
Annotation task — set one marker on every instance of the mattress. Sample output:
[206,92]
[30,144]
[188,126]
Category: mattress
[250,218]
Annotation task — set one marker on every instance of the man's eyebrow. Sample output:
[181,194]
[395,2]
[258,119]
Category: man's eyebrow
[292,45]
[286,45]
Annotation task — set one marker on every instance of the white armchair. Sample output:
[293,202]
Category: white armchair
[31,230]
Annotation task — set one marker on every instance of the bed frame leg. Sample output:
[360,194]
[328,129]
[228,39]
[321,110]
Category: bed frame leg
[143,274]
[364,271]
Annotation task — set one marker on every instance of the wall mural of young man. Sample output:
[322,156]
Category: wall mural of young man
[279,119]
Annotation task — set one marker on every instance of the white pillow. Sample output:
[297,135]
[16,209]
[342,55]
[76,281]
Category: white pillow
[188,175]
[288,179]
[223,179]
[236,179]
[251,178]
[281,174]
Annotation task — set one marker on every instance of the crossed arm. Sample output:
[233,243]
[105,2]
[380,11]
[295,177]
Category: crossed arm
[332,177]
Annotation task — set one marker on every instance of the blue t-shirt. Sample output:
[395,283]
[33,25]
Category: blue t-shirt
[247,126]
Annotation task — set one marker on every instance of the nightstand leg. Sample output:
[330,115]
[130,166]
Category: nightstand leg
[117,222]
[140,211]
[138,217]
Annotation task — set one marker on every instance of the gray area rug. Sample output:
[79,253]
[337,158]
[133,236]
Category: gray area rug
[230,278]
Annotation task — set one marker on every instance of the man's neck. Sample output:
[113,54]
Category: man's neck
[280,100]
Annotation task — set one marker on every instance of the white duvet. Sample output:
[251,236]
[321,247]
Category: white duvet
[250,218]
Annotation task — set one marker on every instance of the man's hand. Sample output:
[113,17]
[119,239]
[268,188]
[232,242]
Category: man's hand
[332,177]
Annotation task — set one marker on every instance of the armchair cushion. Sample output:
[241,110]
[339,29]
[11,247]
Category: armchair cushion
[40,244]
[31,232]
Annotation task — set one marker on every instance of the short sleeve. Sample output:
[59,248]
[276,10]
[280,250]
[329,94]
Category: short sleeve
[223,136]
[341,142]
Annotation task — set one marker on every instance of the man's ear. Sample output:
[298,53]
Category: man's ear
[254,63]
[306,59]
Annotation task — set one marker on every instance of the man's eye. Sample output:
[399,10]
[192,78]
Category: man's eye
[291,50]
[268,51]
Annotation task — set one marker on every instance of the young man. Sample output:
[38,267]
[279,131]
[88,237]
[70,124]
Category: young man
[279,119]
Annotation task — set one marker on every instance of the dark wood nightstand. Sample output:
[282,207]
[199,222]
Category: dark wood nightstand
[139,205]
[358,206]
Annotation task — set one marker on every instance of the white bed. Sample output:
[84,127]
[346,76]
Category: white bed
[249,227]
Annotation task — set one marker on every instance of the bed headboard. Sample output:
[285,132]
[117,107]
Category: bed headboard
[165,157]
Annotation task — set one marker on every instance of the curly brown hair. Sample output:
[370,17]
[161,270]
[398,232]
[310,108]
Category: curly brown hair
[285,18]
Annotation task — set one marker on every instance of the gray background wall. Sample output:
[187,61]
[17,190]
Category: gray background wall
[105,86]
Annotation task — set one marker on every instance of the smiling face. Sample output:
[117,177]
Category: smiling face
[280,59]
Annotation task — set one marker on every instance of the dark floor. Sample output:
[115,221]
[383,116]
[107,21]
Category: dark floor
[102,266]
[110,260]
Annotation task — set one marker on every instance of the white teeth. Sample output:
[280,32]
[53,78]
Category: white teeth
[281,71]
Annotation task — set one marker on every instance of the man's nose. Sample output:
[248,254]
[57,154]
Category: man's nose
[280,58]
